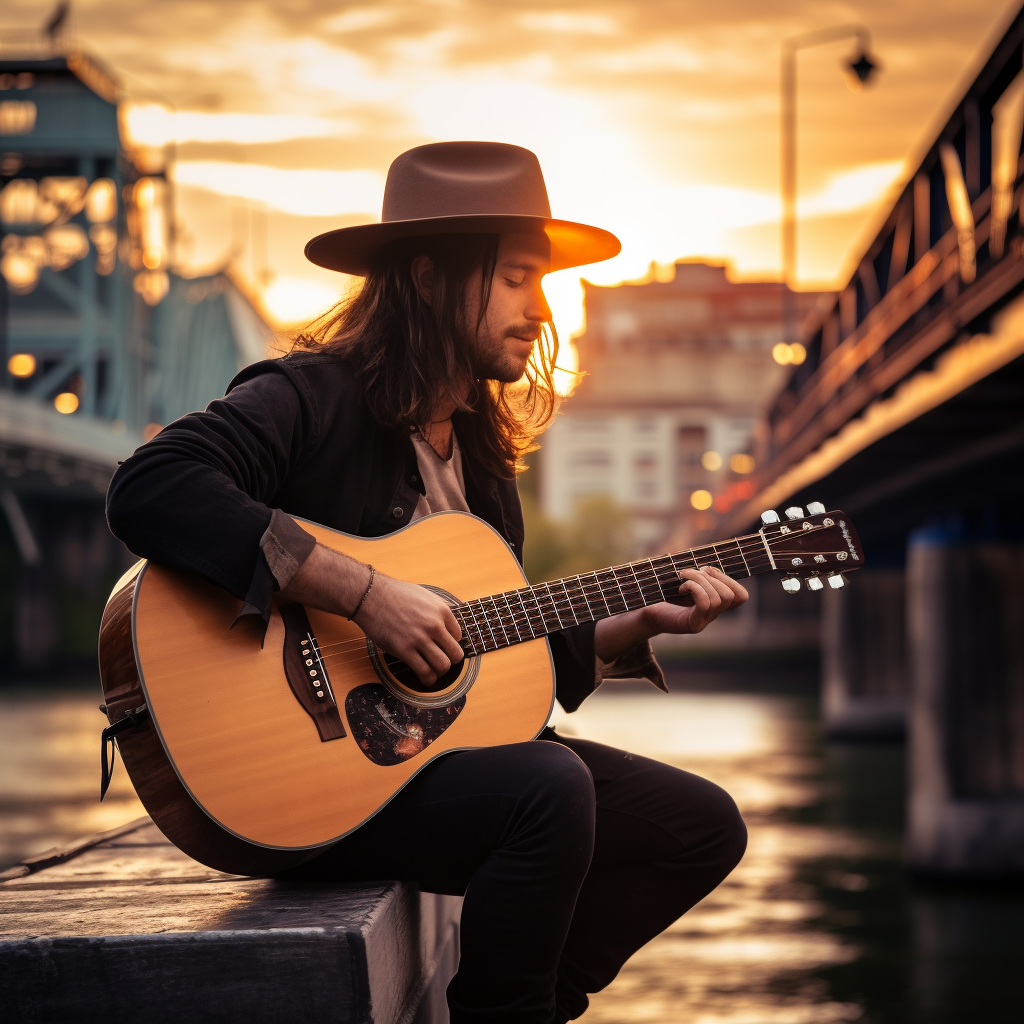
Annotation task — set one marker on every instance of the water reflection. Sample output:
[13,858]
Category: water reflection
[749,952]
[819,923]
[50,774]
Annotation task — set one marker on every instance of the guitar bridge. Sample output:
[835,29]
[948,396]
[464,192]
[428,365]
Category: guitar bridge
[307,675]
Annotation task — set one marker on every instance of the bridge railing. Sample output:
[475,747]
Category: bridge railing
[922,282]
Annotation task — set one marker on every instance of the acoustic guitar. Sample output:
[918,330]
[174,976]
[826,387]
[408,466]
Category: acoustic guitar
[252,753]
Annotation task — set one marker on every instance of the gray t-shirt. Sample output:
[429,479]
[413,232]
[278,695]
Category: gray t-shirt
[442,479]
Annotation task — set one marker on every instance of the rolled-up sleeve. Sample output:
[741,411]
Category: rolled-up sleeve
[198,495]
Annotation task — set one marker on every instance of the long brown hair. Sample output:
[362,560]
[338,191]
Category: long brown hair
[412,355]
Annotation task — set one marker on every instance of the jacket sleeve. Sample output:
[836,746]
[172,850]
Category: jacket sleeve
[572,651]
[198,495]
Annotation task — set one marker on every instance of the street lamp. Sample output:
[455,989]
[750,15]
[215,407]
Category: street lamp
[862,69]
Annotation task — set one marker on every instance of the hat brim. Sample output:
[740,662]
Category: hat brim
[353,250]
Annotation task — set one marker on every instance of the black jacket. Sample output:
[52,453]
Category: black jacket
[295,434]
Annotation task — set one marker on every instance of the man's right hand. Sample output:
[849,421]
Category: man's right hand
[406,621]
[411,623]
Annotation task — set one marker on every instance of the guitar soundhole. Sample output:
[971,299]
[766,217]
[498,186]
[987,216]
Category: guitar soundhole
[408,678]
[390,731]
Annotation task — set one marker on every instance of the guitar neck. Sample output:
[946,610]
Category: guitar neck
[515,616]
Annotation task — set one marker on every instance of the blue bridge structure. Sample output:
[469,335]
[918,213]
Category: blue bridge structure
[101,342]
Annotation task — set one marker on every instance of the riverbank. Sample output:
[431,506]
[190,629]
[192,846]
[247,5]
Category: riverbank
[819,924]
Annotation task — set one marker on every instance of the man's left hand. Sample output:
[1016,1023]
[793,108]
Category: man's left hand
[712,593]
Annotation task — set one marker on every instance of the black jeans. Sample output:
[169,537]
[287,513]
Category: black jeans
[571,855]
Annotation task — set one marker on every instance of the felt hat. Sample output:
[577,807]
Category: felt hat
[457,188]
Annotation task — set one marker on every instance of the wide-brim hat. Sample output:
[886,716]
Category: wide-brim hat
[462,187]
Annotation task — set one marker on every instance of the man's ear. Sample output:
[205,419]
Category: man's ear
[422,270]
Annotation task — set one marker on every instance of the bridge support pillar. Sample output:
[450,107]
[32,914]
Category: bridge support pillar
[965,609]
[864,671]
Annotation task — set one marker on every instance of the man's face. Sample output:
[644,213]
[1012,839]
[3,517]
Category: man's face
[516,311]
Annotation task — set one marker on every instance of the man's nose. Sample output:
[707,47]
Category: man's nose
[538,309]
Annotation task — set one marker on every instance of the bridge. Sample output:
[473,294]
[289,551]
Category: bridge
[909,415]
[101,342]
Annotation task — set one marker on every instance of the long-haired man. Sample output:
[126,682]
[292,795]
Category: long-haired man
[418,395]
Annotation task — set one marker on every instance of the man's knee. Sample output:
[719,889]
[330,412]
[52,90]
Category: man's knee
[557,797]
[726,829]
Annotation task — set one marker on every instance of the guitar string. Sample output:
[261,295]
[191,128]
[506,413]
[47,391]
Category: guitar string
[650,591]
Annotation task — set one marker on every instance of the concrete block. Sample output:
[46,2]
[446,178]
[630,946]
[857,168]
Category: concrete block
[129,929]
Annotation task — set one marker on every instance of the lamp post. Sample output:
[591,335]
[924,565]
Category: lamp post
[862,67]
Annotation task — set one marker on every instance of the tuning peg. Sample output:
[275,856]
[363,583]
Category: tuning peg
[814,583]
[796,512]
[769,517]
[791,584]
[836,581]
[815,508]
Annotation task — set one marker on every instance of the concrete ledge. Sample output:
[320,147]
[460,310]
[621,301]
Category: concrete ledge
[128,929]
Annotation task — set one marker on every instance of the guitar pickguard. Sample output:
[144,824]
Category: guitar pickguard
[388,730]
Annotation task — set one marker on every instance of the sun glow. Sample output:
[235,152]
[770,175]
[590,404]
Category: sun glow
[644,128]
[295,301]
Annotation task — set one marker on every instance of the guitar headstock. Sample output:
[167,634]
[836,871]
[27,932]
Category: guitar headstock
[814,547]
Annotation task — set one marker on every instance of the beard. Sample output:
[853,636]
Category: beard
[494,359]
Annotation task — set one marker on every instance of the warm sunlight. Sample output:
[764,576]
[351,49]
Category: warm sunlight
[294,301]
[666,133]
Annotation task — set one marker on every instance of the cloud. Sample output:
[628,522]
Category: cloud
[659,120]
[573,23]
[854,189]
[149,124]
[304,193]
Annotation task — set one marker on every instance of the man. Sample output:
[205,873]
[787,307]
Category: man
[419,395]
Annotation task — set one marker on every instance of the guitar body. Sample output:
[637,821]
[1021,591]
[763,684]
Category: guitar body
[255,756]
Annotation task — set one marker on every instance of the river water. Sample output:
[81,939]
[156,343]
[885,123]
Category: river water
[819,923]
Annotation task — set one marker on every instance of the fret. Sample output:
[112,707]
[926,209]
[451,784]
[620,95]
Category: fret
[522,616]
[718,557]
[650,587]
[478,637]
[554,607]
[487,623]
[640,589]
[605,585]
[568,598]
[668,577]
[739,548]
[582,612]
[512,616]
[701,555]
[500,624]
[626,585]
[467,636]
[552,597]
[595,592]
[532,592]
[735,567]
[758,555]
[682,556]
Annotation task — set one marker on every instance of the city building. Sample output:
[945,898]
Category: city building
[676,374]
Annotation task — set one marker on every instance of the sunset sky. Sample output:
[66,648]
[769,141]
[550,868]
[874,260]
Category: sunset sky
[657,119]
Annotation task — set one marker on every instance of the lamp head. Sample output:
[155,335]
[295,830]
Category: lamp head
[863,69]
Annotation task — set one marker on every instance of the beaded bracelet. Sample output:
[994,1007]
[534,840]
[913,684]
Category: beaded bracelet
[363,598]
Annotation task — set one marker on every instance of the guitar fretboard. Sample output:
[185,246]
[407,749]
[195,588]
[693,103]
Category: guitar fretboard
[515,616]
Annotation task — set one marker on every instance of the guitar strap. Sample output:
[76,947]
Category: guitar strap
[131,719]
